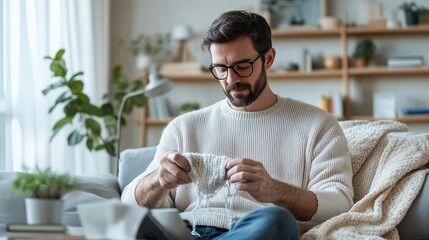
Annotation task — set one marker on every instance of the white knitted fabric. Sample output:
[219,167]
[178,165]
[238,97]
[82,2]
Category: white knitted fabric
[208,174]
[385,192]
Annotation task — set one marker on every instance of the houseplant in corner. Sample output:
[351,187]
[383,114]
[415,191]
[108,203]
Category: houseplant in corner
[45,190]
[363,52]
[95,125]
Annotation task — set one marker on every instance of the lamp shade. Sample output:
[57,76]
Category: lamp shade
[157,85]
[181,32]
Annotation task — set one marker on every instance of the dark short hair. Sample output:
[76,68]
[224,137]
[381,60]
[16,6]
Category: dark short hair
[234,24]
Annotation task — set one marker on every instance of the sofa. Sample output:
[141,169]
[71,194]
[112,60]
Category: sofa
[133,161]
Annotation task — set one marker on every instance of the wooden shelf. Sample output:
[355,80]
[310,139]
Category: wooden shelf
[304,32]
[387,31]
[190,77]
[278,74]
[405,119]
[377,71]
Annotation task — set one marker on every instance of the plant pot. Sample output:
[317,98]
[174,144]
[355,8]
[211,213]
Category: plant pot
[361,63]
[411,18]
[44,211]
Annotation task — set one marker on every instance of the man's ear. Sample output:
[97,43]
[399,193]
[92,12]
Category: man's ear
[270,55]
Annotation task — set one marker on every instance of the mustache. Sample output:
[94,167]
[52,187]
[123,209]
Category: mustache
[237,86]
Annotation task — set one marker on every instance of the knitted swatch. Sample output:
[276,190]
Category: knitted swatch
[208,174]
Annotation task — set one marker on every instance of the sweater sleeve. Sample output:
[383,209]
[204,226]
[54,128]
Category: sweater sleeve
[331,172]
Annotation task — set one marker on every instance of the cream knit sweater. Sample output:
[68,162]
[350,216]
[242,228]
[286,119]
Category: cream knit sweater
[297,143]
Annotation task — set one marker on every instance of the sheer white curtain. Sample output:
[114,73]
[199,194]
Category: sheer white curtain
[33,29]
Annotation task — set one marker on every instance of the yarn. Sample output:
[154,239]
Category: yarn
[208,174]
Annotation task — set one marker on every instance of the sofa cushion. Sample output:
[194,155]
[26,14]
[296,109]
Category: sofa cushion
[91,189]
[132,162]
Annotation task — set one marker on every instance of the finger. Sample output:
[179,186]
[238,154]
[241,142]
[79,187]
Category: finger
[245,177]
[243,168]
[241,161]
[178,159]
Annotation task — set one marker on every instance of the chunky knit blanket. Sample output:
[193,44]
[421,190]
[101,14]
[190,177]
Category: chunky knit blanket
[389,167]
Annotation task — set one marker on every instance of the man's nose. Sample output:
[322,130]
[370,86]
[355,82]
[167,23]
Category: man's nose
[232,76]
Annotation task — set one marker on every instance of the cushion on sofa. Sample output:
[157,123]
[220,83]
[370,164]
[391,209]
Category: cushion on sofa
[132,162]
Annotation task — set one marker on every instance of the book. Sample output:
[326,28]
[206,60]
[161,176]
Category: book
[416,61]
[46,228]
[415,110]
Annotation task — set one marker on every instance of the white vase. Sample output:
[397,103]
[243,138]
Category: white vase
[44,211]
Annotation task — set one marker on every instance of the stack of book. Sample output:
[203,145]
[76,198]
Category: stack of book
[398,62]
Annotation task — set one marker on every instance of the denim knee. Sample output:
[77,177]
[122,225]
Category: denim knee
[279,217]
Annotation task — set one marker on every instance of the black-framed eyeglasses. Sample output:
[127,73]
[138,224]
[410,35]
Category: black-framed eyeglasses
[242,69]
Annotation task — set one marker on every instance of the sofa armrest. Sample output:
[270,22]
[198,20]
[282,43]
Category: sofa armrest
[416,221]
[132,162]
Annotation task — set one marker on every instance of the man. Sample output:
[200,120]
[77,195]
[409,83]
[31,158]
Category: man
[290,159]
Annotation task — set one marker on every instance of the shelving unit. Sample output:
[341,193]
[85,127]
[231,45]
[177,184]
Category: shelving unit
[345,74]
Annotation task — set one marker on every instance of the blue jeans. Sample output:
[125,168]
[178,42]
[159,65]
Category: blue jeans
[264,223]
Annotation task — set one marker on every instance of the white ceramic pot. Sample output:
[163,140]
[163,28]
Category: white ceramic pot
[44,211]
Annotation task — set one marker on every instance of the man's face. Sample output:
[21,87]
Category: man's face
[241,91]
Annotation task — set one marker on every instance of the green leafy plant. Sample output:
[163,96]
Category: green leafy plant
[44,184]
[365,49]
[94,124]
[152,46]
[189,106]
[409,6]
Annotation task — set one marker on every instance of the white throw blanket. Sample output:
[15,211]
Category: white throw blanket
[389,167]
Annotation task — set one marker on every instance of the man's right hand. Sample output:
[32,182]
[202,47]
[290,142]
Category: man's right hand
[173,171]
[154,188]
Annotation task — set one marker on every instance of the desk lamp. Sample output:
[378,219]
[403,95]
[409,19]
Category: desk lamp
[157,85]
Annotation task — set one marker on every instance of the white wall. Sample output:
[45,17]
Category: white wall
[132,17]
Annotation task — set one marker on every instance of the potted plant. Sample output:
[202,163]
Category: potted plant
[363,52]
[45,190]
[411,11]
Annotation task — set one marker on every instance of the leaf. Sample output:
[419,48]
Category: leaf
[59,69]
[91,110]
[61,123]
[93,125]
[62,98]
[59,54]
[138,100]
[121,82]
[89,144]
[110,124]
[82,98]
[75,86]
[76,75]
[107,109]
[71,108]
[110,148]
[117,71]
[75,138]
[53,86]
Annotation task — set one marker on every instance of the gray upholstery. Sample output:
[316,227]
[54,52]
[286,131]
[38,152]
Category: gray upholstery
[413,226]
[132,162]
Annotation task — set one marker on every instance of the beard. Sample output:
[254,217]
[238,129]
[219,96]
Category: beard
[242,100]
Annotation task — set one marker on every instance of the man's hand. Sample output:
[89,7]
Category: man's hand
[173,171]
[250,176]
[154,188]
